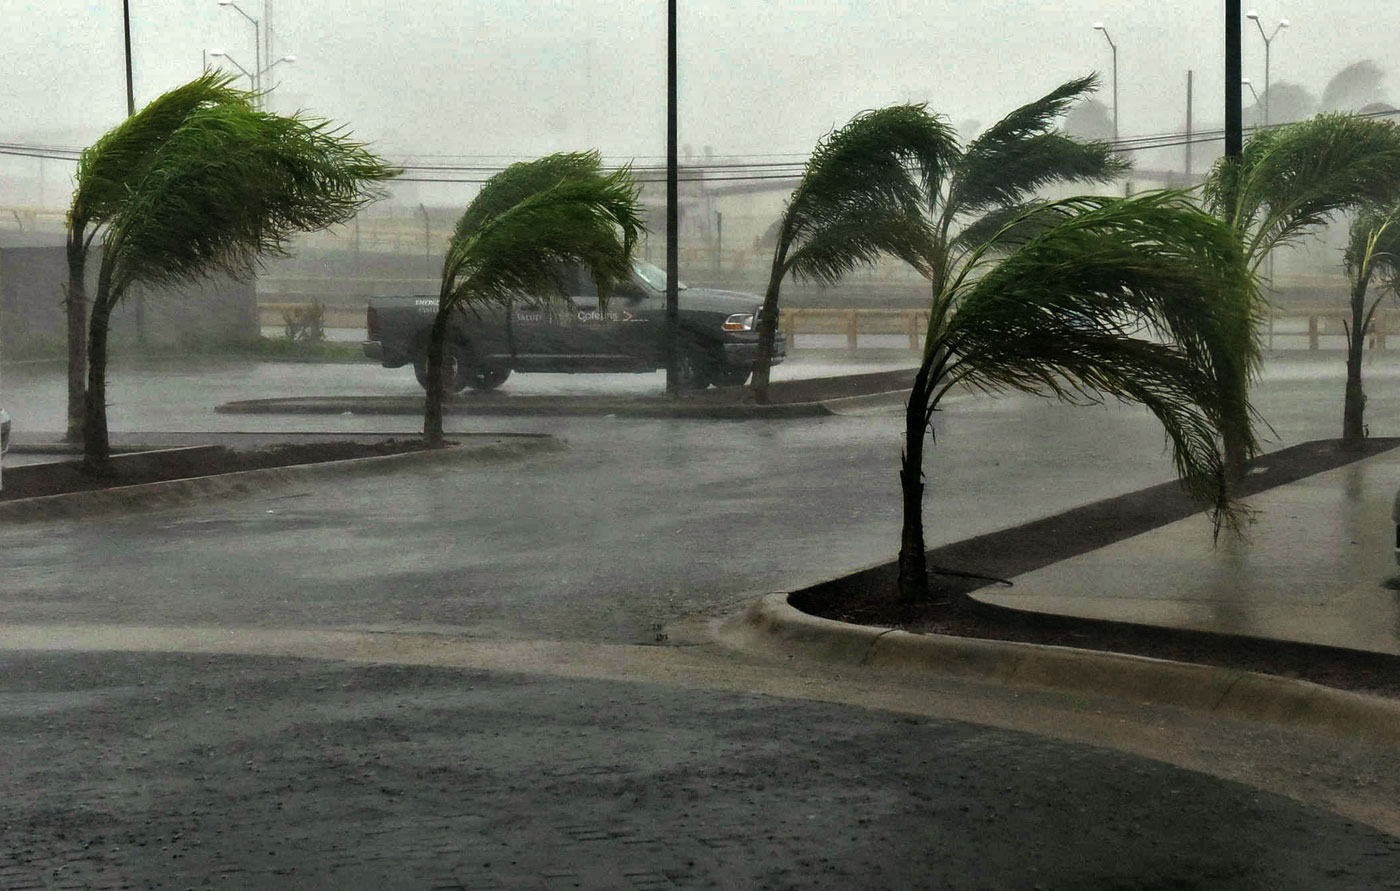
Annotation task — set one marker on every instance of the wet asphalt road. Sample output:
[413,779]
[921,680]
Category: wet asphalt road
[173,771]
[178,771]
[637,524]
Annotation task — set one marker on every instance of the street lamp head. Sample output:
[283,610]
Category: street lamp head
[1252,14]
[1283,23]
[288,59]
[216,53]
[1098,26]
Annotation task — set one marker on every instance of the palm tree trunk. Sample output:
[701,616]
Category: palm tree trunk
[913,562]
[432,411]
[1354,405]
[768,328]
[75,305]
[97,451]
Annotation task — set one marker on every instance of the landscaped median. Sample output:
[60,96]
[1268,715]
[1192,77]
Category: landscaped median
[772,626]
[465,449]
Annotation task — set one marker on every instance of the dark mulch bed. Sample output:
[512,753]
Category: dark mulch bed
[869,597]
[59,478]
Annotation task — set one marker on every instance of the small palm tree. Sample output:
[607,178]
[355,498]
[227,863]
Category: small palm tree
[227,186]
[857,199]
[1143,299]
[107,172]
[1373,250]
[1290,181]
[527,222]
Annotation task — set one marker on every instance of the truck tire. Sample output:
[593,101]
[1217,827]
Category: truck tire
[487,378]
[697,367]
[729,376]
[456,368]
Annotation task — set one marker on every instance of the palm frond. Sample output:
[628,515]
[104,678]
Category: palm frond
[230,185]
[857,234]
[523,179]
[109,168]
[1144,299]
[870,161]
[593,220]
[1003,227]
[1290,180]
[1022,153]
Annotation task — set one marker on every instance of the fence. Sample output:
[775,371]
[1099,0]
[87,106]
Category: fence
[1285,327]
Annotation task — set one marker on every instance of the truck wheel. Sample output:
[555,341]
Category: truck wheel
[732,377]
[697,367]
[487,378]
[456,367]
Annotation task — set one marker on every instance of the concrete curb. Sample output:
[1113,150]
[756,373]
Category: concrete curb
[174,493]
[772,625]
[544,407]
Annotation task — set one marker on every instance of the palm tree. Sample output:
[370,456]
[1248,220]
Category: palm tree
[107,171]
[856,200]
[1289,181]
[1142,299]
[227,186]
[1373,248]
[528,221]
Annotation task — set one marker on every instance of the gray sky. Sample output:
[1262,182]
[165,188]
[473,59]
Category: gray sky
[516,78]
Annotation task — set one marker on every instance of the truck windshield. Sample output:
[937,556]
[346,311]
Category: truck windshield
[654,276]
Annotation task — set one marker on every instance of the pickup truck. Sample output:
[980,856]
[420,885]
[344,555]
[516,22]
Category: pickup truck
[718,342]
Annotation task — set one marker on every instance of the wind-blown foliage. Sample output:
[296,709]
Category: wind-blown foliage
[1144,299]
[1372,252]
[858,199]
[527,222]
[1354,86]
[107,173]
[896,182]
[227,186]
[1291,180]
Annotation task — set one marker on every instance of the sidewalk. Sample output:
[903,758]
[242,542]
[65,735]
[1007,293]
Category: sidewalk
[1316,566]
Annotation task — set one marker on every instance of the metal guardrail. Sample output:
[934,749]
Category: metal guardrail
[1313,323]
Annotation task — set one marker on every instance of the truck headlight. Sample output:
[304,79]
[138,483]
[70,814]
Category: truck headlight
[740,321]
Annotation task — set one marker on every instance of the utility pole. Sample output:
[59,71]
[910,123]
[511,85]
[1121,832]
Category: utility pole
[1190,93]
[673,260]
[1234,133]
[126,30]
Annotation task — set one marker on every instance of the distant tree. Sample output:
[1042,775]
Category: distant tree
[511,241]
[1287,102]
[108,171]
[1353,87]
[225,187]
[1089,119]
[1372,252]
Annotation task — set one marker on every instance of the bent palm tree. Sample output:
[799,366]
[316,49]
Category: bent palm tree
[107,172]
[1143,299]
[1373,248]
[528,221]
[1291,180]
[859,198]
[228,186]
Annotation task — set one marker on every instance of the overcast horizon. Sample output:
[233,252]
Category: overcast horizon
[509,79]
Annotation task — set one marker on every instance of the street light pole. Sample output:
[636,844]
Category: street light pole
[257,42]
[1098,26]
[126,30]
[673,316]
[1234,135]
[1268,44]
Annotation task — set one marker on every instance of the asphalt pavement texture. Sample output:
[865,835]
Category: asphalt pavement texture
[177,771]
